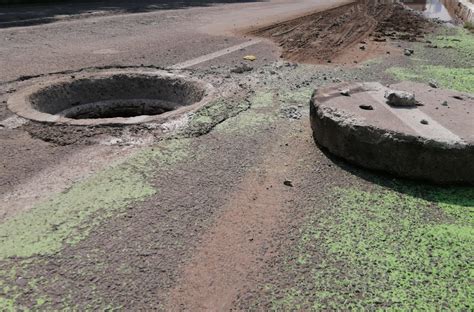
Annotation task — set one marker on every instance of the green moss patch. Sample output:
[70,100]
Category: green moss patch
[68,217]
[253,119]
[451,64]
[384,249]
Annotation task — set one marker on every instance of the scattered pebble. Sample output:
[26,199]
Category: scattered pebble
[424,122]
[345,92]
[241,69]
[288,183]
[366,107]
[433,84]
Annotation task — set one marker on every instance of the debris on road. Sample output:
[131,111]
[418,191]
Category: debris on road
[250,58]
[401,98]
[324,36]
[345,92]
[242,68]
[291,112]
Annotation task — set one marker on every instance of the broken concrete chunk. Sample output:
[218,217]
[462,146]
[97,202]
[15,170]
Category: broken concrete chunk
[401,98]
[241,69]
[366,107]
[291,112]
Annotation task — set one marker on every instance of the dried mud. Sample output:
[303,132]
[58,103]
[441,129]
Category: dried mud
[325,36]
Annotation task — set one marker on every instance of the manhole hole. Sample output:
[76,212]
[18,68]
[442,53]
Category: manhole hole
[111,98]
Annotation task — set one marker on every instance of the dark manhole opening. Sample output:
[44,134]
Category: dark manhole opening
[120,108]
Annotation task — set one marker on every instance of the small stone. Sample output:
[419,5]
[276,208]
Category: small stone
[408,52]
[433,84]
[401,98]
[22,282]
[241,69]
[362,48]
[366,107]
[345,92]
[445,103]
[288,183]
[424,122]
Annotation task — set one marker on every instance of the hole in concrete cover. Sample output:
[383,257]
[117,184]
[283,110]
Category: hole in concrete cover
[111,98]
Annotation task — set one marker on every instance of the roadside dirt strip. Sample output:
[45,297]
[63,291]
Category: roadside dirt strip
[324,36]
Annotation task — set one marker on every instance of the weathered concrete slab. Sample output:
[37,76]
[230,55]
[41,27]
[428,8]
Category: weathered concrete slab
[432,141]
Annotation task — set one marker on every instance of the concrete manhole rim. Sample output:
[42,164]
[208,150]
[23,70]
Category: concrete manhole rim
[19,102]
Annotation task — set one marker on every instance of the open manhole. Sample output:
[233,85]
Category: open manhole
[111,98]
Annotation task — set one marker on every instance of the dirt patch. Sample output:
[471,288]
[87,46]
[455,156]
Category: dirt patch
[331,35]
[239,240]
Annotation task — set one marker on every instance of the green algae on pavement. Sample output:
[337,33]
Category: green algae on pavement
[384,249]
[259,114]
[68,217]
[205,119]
[460,79]
[451,64]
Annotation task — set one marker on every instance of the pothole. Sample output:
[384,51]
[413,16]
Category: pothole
[111,98]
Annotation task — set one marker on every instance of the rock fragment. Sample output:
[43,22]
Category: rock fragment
[401,98]
[241,69]
[366,107]
[433,84]
[345,92]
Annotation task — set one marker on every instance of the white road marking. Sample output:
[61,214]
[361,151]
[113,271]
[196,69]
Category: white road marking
[214,55]
[412,117]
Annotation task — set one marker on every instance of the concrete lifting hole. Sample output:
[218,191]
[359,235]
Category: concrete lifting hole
[111,98]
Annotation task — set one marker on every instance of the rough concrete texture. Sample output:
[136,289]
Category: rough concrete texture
[432,142]
[122,97]
[465,9]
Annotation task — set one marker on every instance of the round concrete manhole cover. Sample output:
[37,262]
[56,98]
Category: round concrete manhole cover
[111,98]
[410,129]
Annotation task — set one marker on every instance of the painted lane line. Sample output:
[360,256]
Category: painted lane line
[216,54]
[411,117]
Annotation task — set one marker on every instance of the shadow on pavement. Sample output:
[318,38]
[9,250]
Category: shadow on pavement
[42,12]
[459,195]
